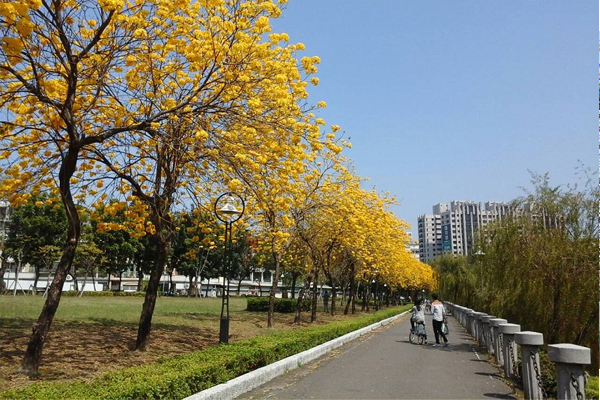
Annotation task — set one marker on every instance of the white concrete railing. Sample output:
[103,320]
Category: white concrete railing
[501,338]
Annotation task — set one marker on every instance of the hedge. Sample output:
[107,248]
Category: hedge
[591,390]
[182,376]
[104,293]
[281,305]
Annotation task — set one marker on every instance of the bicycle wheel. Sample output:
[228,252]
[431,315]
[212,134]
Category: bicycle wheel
[411,336]
[421,339]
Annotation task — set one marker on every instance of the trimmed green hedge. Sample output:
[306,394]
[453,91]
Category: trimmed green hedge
[129,294]
[105,293]
[184,375]
[591,390]
[281,305]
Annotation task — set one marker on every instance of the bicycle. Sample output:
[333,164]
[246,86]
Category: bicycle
[418,333]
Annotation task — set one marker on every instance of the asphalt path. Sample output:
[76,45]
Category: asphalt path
[385,365]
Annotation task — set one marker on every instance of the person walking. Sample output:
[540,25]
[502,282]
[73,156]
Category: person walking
[439,317]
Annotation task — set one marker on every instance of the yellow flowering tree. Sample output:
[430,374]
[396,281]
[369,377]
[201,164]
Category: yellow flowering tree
[358,237]
[153,100]
[235,102]
[60,90]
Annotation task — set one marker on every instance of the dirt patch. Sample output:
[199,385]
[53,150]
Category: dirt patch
[80,351]
[84,350]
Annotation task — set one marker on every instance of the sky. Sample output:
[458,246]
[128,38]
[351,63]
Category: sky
[448,101]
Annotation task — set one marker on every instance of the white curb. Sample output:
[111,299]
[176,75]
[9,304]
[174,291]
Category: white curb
[244,383]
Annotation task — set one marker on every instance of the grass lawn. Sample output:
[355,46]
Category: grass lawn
[91,335]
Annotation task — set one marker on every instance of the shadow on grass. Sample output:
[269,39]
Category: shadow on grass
[80,350]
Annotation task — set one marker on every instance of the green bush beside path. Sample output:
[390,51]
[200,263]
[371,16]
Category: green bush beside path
[182,376]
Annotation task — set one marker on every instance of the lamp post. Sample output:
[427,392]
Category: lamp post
[227,211]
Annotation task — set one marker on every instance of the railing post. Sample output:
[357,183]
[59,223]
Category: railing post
[494,322]
[479,328]
[474,331]
[463,317]
[469,321]
[509,350]
[530,363]
[487,331]
[570,375]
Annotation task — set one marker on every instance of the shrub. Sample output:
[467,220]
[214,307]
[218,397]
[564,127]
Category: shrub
[548,372]
[182,376]
[261,304]
[129,294]
[104,293]
[591,390]
[74,293]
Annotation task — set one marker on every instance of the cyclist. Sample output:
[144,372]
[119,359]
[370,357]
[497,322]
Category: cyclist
[417,317]
[427,306]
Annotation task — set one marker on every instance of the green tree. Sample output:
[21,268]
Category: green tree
[457,280]
[119,247]
[539,266]
[36,225]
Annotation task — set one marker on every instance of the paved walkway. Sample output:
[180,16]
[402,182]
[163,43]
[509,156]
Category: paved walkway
[385,365]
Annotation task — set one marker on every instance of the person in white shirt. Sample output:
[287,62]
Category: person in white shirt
[439,317]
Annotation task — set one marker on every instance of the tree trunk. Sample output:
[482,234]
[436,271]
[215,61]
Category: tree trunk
[365,299]
[354,295]
[165,237]
[36,279]
[196,291]
[333,300]
[150,302]
[313,308]
[190,286]
[271,313]
[587,327]
[172,286]
[80,294]
[140,276]
[351,296]
[33,354]
[553,337]
[48,282]
[75,282]
[294,280]
[300,300]
[3,267]
[17,274]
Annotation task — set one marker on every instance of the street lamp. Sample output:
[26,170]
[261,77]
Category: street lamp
[229,208]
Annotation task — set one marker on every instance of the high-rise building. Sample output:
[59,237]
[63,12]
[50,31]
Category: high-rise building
[451,228]
[413,246]
[430,237]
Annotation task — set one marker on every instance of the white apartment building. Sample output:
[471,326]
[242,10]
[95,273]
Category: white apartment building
[430,237]
[413,246]
[451,228]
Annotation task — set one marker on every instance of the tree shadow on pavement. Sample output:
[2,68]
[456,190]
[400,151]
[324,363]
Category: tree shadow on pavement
[499,396]
[497,376]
